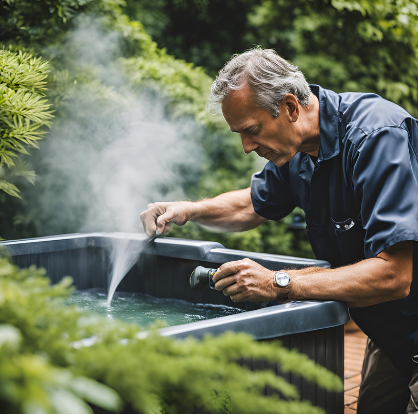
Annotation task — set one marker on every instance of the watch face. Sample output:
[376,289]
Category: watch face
[282,279]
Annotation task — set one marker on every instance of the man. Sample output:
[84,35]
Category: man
[350,161]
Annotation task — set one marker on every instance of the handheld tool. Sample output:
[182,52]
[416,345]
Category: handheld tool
[153,237]
[202,277]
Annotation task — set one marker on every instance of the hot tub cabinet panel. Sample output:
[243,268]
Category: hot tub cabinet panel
[312,327]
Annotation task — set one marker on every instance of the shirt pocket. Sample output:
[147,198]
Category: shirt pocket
[322,242]
[350,237]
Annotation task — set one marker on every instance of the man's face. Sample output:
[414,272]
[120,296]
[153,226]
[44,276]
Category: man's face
[275,139]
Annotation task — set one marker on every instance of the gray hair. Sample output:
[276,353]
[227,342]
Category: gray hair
[268,74]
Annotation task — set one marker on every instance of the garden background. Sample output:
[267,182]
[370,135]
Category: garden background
[109,56]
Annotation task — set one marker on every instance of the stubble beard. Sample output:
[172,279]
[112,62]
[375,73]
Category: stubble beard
[276,159]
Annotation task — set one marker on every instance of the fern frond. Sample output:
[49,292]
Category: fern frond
[9,188]
[24,112]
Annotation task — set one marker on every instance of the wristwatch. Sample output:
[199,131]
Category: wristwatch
[282,279]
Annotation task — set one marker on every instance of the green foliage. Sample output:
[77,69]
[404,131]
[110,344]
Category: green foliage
[187,87]
[9,188]
[45,361]
[30,384]
[347,45]
[39,23]
[203,32]
[23,111]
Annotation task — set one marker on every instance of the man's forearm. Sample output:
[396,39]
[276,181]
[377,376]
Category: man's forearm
[365,283]
[231,211]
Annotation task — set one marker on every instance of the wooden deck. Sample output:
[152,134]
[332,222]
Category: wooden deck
[354,347]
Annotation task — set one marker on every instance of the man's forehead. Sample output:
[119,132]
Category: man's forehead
[239,108]
[243,96]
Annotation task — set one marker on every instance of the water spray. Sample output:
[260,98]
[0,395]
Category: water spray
[125,253]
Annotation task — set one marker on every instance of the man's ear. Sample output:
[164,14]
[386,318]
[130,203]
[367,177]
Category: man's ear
[291,106]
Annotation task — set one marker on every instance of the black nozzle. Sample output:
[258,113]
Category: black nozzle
[201,277]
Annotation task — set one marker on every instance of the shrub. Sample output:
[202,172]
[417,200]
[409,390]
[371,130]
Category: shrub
[23,111]
[56,358]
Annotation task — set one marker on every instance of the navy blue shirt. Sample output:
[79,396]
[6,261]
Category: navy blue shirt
[359,197]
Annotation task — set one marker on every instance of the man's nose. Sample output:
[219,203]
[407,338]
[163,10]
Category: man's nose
[247,143]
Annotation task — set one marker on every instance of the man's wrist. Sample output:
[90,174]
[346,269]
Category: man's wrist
[282,282]
[294,285]
[193,210]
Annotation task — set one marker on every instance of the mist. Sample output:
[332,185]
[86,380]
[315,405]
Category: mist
[111,149]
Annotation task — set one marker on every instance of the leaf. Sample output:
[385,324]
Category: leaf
[96,393]
[10,337]
[33,409]
[9,188]
[65,402]
[22,171]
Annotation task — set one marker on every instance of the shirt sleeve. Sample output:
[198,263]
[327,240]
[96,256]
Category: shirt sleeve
[386,188]
[270,192]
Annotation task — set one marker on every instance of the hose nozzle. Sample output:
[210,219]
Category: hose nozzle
[202,277]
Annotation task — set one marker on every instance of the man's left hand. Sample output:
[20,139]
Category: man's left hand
[247,280]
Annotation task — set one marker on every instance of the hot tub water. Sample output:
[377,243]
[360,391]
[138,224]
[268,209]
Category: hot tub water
[144,309]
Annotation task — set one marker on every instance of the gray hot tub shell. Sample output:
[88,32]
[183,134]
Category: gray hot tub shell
[312,327]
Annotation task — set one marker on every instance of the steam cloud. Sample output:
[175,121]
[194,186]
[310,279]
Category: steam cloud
[111,150]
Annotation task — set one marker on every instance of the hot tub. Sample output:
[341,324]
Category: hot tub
[312,327]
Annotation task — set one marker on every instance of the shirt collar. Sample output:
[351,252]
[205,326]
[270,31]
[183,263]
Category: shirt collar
[329,145]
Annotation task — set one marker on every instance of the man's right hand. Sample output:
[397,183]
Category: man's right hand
[231,211]
[161,215]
